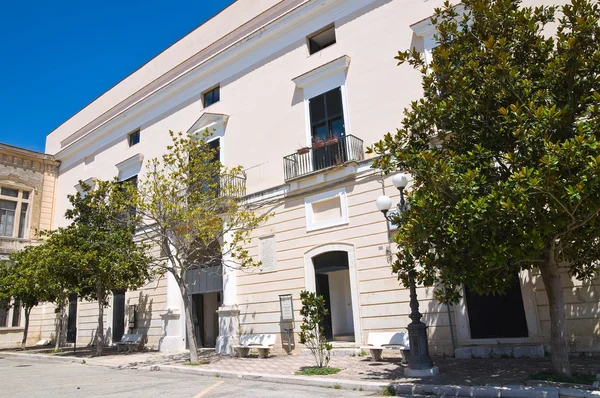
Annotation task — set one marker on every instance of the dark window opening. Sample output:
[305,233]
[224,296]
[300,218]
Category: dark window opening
[328,129]
[497,316]
[321,39]
[211,96]
[131,212]
[23,220]
[3,314]
[118,315]
[134,137]
[327,115]
[16,318]
[72,318]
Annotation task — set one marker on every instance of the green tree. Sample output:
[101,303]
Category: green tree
[503,148]
[189,206]
[312,333]
[28,280]
[98,252]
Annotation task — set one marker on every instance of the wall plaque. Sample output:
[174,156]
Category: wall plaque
[267,254]
[287,307]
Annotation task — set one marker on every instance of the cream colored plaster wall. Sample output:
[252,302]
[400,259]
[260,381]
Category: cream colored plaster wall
[383,303]
[150,301]
[582,310]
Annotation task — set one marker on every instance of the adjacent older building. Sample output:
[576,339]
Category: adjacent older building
[27,181]
[294,90]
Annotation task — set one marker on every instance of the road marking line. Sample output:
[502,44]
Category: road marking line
[209,389]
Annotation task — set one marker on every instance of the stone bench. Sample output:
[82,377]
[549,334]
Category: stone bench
[379,341]
[131,341]
[262,342]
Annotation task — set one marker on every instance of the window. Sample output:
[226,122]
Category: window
[14,205]
[211,96]
[134,137]
[10,315]
[327,115]
[16,316]
[321,39]
[131,212]
[3,315]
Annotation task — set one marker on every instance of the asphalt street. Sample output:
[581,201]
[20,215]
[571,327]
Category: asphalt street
[21,377]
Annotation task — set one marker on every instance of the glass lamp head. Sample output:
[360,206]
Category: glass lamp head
[383,203]
[400,181]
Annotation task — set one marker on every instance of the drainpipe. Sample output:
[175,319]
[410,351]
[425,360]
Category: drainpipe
[451,328]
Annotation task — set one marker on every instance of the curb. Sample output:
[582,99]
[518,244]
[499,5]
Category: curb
[45,356]
[297,380]
[401,389]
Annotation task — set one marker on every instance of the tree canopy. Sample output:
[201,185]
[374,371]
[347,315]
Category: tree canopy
[190,207]
[504,153]
[98,252]
[28,279]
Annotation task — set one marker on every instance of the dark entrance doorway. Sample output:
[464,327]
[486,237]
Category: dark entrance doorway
[72,319]
[322,281]
[118,315]
[497,316]
[332,281]
[206,319]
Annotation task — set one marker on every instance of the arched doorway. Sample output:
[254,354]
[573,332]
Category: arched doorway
[330,271]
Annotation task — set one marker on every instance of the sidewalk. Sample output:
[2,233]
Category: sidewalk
[506,375]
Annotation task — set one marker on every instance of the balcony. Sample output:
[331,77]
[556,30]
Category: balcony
[323,155]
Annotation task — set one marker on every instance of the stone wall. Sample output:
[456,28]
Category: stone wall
[24,169]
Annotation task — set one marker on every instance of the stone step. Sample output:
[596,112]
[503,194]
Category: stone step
[337,351]
[500,351]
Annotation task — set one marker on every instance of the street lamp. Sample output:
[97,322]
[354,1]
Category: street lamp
[420,363]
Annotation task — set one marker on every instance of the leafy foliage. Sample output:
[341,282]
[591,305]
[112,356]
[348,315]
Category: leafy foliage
[28,279]
[190,209]
[503,148]
[312,333]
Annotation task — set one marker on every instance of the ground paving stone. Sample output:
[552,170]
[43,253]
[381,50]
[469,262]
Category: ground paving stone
[453,371]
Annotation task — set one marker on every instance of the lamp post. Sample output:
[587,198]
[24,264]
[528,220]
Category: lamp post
[420,363]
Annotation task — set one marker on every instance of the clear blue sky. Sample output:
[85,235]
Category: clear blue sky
[59,55]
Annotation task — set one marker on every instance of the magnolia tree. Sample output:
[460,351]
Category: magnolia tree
[189,207]
[97,253]
[503,148]
[312,333]
[28,280]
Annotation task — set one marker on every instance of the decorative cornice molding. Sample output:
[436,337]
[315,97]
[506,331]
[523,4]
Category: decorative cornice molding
[208,121]
[426,28]
[21,160]
[330,68]
[133,161]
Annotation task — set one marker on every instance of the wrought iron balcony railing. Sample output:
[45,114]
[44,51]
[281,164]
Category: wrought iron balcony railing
[232,185]
[323,155]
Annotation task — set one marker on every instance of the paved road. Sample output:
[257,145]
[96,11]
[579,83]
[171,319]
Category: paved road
[37,378]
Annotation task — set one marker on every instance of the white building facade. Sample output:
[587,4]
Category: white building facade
[294,90]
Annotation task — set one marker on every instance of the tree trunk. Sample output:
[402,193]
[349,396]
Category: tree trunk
[27,312]
[59,327]
[100,332]
[558,323]
[189,327]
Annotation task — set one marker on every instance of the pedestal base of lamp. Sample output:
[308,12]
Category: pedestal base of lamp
[421,372]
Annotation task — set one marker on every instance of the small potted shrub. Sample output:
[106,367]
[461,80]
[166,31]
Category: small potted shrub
[331,141]
[318,144]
